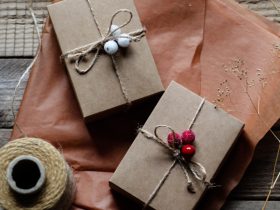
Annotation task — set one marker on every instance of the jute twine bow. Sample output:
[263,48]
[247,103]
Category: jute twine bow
[78,54]
[196,169]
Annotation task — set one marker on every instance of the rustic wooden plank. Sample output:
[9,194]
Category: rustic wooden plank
[17,31]
[10,72]
[11,69]
[4,136]
[263,7]
[18,36]
[257,179]
[250,205]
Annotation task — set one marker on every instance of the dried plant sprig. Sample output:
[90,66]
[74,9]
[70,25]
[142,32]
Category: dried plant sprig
[276,46]
[276,49]
[224,91]
[238,69]
[261,77]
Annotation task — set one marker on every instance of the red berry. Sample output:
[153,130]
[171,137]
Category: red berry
[188,137]
[187,151]
[174,140]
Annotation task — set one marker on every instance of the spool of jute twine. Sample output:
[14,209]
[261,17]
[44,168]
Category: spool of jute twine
[34,176]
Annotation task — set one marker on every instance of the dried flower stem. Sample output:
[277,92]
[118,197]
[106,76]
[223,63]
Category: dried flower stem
[238,70]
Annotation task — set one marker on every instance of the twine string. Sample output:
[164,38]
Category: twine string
[30,8]
[157,138]
[196,113]
[122,83]
[94,19]
[79,53]
[109,32]
[189,182]
[193,165]
[197,169]
[161,182]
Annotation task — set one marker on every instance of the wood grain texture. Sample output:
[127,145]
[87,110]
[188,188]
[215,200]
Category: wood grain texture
[263,7]
[257,179]
[4,136]
[250,205]
[17,33]
[10,72]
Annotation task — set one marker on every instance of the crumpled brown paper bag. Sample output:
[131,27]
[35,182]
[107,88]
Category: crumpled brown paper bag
[198,43]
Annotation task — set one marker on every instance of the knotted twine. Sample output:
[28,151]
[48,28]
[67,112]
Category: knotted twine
[59,188]
[197,169]
[78,54]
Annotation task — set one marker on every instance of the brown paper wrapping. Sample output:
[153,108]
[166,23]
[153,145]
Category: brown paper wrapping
[146,161]
[190,42]
[99,90]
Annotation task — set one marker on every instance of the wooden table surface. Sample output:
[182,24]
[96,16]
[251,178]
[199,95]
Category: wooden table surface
[18,44]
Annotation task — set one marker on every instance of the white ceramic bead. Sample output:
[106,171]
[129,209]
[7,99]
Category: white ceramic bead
[111,47]
[117,32]
[124,41]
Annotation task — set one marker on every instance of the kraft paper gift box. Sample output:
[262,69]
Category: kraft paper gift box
[147,161]
[102,89]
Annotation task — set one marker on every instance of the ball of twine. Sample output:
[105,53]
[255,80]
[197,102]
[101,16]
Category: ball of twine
[58,190]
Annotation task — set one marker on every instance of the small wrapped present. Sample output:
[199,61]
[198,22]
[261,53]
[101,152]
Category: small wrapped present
[106,54]
[178,152]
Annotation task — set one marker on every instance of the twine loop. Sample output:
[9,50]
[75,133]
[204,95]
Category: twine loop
[78,54]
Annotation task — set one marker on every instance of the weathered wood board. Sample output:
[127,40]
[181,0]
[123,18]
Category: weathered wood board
[10,72]
[17,31]
[18,35]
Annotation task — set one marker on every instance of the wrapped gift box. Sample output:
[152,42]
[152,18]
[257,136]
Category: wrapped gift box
[99,91]
[146,161]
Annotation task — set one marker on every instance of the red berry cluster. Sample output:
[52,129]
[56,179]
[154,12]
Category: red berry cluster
[183,142]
